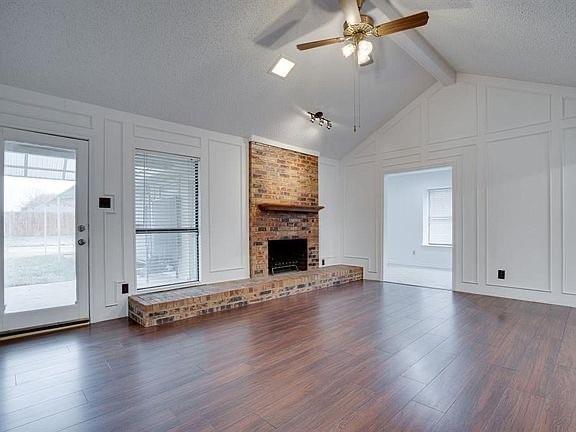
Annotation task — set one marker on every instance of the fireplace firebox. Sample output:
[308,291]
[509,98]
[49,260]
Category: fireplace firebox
[287,255]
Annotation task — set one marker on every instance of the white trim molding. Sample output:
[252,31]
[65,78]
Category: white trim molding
[274,143]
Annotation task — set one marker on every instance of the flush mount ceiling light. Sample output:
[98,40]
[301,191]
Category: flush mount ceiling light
[319,117]
[282,67]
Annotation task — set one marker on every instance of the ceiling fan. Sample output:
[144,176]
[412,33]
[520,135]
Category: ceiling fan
[358,28]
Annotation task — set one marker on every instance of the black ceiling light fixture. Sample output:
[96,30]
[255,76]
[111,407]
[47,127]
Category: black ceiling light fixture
[319,117]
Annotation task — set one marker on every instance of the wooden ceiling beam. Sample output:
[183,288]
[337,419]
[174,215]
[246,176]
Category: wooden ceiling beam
[417,47]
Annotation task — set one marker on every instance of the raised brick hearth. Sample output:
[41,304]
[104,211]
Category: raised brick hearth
[174,305]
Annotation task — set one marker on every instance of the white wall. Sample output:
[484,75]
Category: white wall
[404,197]
[112,137]
[330,196]
[513,149]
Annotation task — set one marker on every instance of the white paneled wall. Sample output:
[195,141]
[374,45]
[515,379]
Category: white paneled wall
[518,212]
[112,137]
[331,197]
[569,215]
[227,216]
[362,209]
[569,108]
[513,149]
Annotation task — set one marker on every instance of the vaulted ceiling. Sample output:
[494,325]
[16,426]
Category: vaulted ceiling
[205,63]
[530,40]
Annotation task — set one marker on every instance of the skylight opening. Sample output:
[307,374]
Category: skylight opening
[282,67]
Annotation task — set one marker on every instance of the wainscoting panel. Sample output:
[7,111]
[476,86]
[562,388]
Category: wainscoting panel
[34,111]
[518,212]
[360,242]
[227,185]
[155,134]
[403,134]
[330,196]
[469,194]
[569,210]
[512,109]
[452,113]
[569,107]
[113,227]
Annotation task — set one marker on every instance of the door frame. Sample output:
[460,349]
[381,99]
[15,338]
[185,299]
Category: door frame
[456,211]
[80,311]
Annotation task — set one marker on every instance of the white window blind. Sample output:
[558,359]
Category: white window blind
[440,217]
[166,212]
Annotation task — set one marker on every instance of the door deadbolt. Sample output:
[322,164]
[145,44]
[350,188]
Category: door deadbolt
[81,228]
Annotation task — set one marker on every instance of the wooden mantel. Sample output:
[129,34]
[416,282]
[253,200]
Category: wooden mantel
[295,208]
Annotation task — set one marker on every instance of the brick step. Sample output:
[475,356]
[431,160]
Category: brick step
[173,305]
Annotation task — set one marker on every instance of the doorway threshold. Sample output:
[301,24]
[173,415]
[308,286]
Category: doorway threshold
[43,330]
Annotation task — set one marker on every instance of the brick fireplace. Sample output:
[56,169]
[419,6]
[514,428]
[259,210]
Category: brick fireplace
[287,178]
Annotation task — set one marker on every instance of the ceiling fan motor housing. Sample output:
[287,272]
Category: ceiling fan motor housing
[364,28]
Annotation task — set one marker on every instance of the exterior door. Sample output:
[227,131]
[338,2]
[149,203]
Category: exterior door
[44,220]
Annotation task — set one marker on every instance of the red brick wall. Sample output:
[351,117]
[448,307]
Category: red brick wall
[281,176]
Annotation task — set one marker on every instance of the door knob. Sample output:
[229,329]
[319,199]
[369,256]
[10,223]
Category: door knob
[81,242]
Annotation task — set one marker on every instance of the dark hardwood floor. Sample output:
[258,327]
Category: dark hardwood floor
[363,357]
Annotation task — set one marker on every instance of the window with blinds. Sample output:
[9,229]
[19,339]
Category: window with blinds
[166,213]
[439,224]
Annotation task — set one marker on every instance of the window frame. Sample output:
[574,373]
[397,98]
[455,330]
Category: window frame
[427,218]
[177,151]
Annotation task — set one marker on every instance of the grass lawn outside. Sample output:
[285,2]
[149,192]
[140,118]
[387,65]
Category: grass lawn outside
[39,269]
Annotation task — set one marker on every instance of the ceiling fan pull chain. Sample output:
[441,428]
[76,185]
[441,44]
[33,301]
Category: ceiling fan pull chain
[354,72]
[358,93]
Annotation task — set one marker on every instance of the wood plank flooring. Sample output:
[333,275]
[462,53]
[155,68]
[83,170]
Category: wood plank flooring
[367,356]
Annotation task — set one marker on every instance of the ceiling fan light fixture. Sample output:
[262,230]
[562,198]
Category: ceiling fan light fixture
[348,49]
[364,48]
[365,60]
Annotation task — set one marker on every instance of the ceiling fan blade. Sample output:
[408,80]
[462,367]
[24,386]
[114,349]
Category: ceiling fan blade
[320,43]
[401,24]
[351,11]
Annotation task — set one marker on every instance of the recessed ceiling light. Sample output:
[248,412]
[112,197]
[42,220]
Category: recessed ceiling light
[282,67]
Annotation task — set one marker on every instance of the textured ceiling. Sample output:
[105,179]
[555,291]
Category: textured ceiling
[204,63]
[532,40]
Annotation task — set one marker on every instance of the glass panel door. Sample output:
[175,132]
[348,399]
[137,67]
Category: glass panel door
[44,224]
